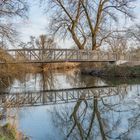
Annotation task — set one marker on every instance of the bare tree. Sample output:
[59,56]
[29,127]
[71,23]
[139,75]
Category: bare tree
[134,32]
[88,19]
[100,15]
[117,43]
[45,42]
[8,10]
[7,34]
[67,20]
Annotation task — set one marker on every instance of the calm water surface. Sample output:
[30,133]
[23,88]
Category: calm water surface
[112,117]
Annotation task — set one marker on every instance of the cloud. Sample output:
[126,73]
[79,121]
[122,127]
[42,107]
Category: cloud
[33,26]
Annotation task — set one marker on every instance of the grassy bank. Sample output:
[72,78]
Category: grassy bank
[121,71]
[7,132]
[9,71]
[121,80]
[114,71]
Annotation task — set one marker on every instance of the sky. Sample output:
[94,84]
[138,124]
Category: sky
[37,23]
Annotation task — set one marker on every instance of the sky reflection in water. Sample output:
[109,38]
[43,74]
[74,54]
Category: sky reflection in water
[112,117]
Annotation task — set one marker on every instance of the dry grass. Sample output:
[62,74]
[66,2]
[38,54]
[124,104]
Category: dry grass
[61,66]
[8,132]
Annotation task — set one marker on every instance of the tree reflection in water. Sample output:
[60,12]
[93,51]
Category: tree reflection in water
[116,117]
[113,117]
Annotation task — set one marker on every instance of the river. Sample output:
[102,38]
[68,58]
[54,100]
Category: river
[105,109]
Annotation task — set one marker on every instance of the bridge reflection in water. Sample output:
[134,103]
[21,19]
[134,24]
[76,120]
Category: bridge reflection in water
[48,97]
[100,118]
[97,112]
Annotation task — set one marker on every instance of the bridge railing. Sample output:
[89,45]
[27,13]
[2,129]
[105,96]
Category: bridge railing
[49,55]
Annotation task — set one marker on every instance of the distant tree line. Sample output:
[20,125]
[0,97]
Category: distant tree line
[41,42]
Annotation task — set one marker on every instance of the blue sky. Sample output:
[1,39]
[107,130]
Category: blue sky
[37,22]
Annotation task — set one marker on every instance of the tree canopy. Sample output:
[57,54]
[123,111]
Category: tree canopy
[88,22]
[8,10]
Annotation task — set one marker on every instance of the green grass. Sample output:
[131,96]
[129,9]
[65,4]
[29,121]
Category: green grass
[7,133]
[123,71]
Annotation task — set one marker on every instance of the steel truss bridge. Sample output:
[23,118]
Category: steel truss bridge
[66,55]
[51,97]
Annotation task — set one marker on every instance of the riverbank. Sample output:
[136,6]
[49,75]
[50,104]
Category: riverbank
[60,66]
[114,71]
[7,132]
